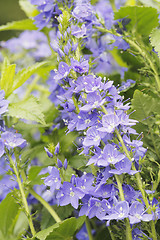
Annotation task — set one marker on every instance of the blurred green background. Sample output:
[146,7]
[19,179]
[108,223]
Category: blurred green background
[9,11]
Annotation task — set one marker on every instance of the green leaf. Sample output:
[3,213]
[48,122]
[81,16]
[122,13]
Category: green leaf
[21,224]
[33,175]
[22,76]
[78,161]
[62,211]
[154,39]
[26,24]
[8,212]
[143,19]
[7,76]
[144,105]
[28,8]
[28,109]
[61,231]
[151,3]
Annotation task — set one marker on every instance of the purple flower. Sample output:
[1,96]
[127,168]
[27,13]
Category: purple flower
[53,180]
[98,208]
[65,164]
[59,163]
[85,183]
[123,166]
[12,140]
[94,100]
[80,67]
[109,155]
[93,137]
[83,120]
[63,71]
[78,32]
[105,191]
[56,151]
[68,193]
[48,11]
[48,152]
[83,12]
[119,212]
[110,122]
[137,213]
[91,83]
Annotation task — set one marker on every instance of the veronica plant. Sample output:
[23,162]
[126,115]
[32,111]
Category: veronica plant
[71,144]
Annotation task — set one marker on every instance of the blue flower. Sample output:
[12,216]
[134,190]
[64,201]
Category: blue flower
[109,122]
[12,140]
[93,137]
[119,212]
[68,193]
[137,213]
[94,100]
[53,180]
[83,12]
[123,166]
[48,152]
[80,67]
[78,32]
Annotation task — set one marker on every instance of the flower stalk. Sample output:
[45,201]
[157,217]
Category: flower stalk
[22,192]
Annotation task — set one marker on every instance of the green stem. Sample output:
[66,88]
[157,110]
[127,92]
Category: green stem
[146,57]
[23,196]
[46,205]
[111,233]
[112,2]
[88,226]
[128,227]
[155,185]
[141,50]
[139,184]
[75,104]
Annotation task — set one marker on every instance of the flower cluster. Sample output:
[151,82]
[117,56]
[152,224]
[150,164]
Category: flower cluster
[92,106]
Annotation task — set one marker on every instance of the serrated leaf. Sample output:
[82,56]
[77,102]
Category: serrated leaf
[155,40]
[8,212]
[144,105]
[151,3]
[28,8]
[61,231]
[28,109]
[26,24]
[7,76]
[143,19]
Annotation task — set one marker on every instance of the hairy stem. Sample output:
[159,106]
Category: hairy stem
[24,200]
[46,205]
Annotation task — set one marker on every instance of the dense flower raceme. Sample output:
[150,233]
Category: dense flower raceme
[98,198]
[92,106]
